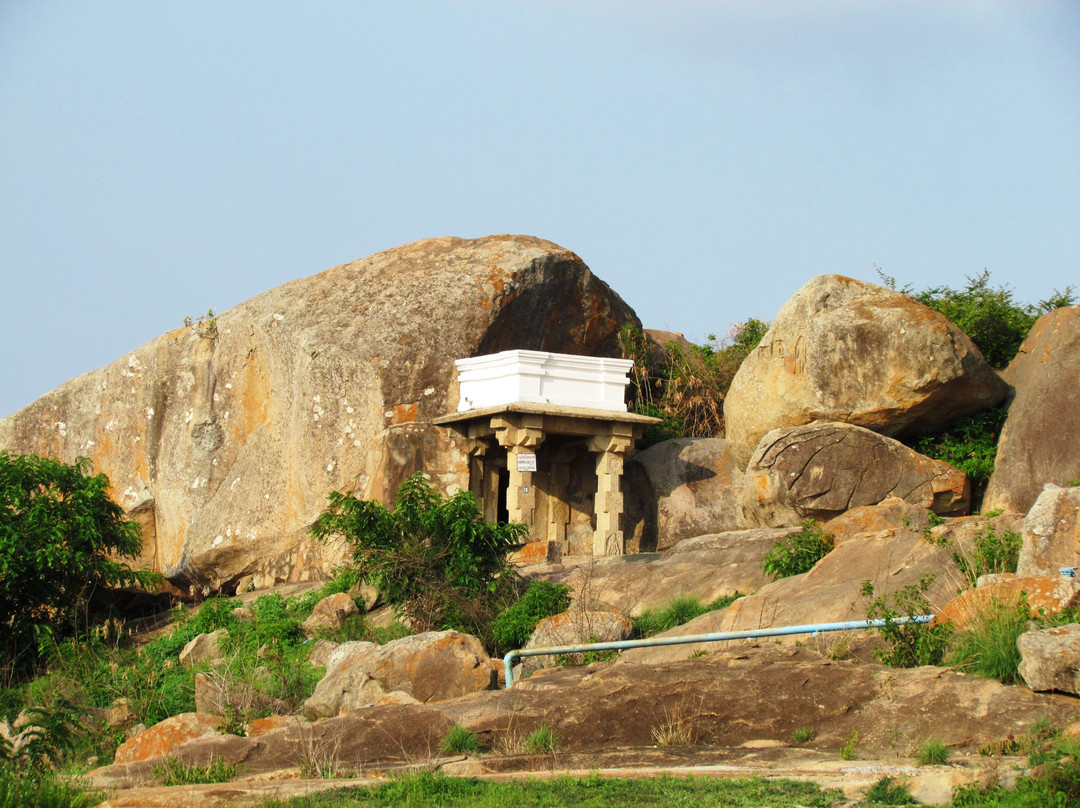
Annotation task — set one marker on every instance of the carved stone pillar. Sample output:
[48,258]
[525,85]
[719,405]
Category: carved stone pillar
[520,439]
[610,449]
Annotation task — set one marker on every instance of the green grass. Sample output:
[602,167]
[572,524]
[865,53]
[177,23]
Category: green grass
[987,645]
[459,740]
[803,735]
[799,553]
[933,753]
[42,790]
[424,790]
[173,772]
[680,609]
[542,740]
[887,792]
[849,746]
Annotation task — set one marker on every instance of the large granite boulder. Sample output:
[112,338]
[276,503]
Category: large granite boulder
[1051,538]
[679,489]
[167,735]
[583,622]
[428,667]
[1040,442]
[823,469]
[844,350]
[223,437]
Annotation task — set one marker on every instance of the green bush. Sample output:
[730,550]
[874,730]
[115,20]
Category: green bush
[42,789]
[798,554]
[887,792]
[986,646]
[907,645]
[970,444]
[59,534]
[990,553]
[542,740]
[933,753]
[434,559]
[515,624]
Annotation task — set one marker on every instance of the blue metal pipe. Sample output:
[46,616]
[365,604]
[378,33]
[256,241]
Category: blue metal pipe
[749,634]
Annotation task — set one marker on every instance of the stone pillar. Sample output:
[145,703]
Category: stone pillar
[520,494]
[558,508]
[610,449]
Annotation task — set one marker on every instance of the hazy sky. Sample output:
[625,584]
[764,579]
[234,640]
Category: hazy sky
[704,158]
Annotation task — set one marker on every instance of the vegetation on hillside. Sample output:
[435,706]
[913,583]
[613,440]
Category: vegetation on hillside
[685,387]
[435,560]
[59,534]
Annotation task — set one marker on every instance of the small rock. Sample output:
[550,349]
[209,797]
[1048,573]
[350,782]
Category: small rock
[1050,658]
[330,613]
[203,648]
[242,614]
[120,713]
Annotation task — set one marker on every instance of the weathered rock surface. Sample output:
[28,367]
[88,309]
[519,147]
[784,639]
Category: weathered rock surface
[203,647]
[167,735]
[330,613]
[679,489]
[1040,442]
[824,469]
[890,559]
[224,437]
[844,350]
[1050,658]
[574,627]
[432,666]
[741,695]
[707,567]
[1043,594]
[1051,538]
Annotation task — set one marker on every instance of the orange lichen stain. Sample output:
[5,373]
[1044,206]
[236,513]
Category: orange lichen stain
[252,399]
[404,413]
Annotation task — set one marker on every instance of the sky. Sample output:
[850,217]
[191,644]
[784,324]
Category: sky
[705,159]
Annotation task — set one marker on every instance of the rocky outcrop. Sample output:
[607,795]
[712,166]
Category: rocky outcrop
[706,567]
[844,350]
[1051,538]
[167,735]
[824,469]
[1040,442]
[679,489]
[223,437]
[890,558]
[1042,595]
[1050,658]
[575,627]
[433,666]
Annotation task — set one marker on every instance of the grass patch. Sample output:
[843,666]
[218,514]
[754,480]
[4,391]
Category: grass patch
[542,740]
[803,735]
[173,772]
[426,790]
[933,753]
[849,745]
[42,790]
[680,609]
[887,791]
[799,553]
[990,553]
[460,741]
[987,645]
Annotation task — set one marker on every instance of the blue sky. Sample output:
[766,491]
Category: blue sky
[704,158]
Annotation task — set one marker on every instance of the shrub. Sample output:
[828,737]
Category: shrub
[435,560]
[986,646]
[515,624]
[990,553]
[933,753]
[685,387]
[970,444]
[58,531]
[799,553]
[849,746]
[461,741]
[907,645]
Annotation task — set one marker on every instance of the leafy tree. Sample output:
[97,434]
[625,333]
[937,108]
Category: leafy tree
[58,529]
[436,560]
